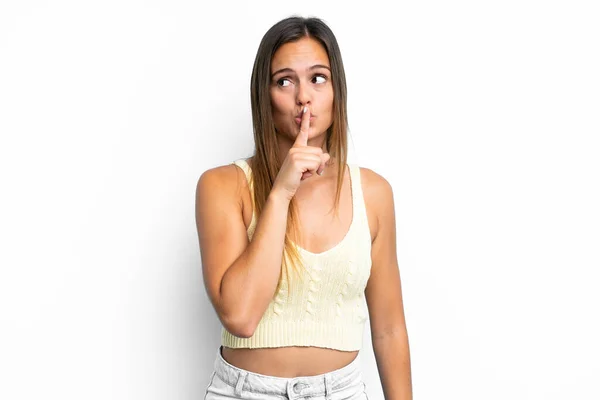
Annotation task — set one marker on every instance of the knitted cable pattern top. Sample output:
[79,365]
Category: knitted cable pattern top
[329,308]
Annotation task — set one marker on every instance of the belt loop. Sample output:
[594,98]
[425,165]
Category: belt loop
[240,383]
[328,390]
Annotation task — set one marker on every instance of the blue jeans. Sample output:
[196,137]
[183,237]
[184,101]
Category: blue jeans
[230,382]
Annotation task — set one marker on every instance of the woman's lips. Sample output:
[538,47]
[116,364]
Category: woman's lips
[299,120]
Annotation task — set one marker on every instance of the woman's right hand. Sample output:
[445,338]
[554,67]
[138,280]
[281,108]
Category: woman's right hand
[301,162]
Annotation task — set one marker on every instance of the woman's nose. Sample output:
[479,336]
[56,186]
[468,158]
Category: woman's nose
[302,94]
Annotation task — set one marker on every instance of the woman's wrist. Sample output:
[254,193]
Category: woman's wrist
[279,197]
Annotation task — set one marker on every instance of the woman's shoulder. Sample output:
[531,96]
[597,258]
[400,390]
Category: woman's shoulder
[374,184]
[223,179]
[378,198]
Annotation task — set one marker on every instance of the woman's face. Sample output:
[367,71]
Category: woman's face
[301,76]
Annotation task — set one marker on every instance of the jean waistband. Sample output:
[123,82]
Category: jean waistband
[293,388]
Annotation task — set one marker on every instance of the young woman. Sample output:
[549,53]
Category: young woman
[298,247]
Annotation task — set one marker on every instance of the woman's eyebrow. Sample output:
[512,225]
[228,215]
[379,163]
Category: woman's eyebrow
[291,70]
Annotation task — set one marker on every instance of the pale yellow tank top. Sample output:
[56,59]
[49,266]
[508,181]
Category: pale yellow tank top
[328,309]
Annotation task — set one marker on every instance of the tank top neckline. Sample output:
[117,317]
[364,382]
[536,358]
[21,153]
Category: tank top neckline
[350,230]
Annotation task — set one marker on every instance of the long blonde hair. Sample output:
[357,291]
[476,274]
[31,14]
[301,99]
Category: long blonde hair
[266,160]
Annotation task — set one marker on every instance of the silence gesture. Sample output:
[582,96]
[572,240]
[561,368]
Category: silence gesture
[302,161]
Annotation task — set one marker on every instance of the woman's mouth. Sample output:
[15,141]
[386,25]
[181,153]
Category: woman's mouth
[299,120]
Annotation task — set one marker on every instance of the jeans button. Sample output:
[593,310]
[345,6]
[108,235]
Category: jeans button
[297,388]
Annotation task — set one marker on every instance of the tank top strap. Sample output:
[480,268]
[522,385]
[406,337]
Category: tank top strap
[358,200]
[355,184]
[243,164]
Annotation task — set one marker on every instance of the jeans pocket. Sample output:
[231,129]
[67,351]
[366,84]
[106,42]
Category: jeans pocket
[219,390]
[209,384]
[212,377]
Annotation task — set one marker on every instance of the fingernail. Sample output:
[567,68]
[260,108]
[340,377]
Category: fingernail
[305,110]
[320,173]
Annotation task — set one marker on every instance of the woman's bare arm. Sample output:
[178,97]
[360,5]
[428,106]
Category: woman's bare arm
[240,276]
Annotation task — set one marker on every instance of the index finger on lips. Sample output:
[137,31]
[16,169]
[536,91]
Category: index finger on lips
[302,138]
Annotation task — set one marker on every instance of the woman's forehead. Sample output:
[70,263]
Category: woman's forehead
[300,54]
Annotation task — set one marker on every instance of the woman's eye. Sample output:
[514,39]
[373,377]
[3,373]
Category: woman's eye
[323,79]
[282,80]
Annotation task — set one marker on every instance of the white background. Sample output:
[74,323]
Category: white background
[484,117]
